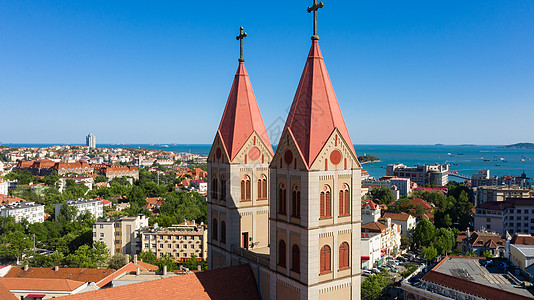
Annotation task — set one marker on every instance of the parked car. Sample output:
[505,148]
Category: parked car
[375,270]
[367,273]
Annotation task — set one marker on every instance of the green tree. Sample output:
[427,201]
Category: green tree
[382,195]
[192,263]
[375,286]
[429,253]
[101,178]
[487,254]
[148,257]
[14,244]
[117,261]
[405,243]
[166,260]
[424,233]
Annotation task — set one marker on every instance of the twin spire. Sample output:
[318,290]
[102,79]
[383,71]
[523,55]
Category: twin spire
[314,113]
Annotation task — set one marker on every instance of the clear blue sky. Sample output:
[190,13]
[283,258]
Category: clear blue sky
[404,72]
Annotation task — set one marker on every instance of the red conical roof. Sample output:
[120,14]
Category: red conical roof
[241,115]
[315,111]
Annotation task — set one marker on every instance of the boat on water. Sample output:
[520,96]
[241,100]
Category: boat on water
[164,146]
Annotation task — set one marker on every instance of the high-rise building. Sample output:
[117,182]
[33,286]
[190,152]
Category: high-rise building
[295,216]
[90,141]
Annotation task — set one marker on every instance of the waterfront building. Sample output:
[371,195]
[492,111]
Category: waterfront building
[402,185]
[482,178]
[32,212]
[90,141]
[465,278]
[93,206]
[119,234]
[437,174]
[178,241]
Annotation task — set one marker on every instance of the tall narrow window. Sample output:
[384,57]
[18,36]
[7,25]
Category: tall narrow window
[282,253]
[344,201]
[282,197]
[325,265]
[223,188]
[295,259]
[214,188]
[344,256]
[328,206]
[245,189]
[264,187]
[259,189]
[325,203]
[322,204]
[223,232]
[214,233]
[295,202]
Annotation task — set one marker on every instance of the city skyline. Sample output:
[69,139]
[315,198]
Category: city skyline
[451,73]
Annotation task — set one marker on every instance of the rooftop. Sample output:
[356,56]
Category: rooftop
[77,274]
[469,275]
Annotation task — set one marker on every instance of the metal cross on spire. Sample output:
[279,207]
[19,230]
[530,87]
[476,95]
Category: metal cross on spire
[314,8]
[240,37]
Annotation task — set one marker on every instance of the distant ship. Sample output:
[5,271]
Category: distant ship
[164,146]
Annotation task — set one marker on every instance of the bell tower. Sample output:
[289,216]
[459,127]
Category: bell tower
[238,174]
[315,193]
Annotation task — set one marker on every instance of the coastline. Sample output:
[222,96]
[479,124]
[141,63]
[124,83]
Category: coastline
[370,162]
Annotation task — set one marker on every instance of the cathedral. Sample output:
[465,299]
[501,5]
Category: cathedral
[293,215]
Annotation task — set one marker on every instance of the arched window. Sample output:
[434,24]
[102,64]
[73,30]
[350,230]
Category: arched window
[295,259]
[223,232]
[325,260]
[223,188]
[325,203]
[344,201]
[282,253]
[214,233]
[282,199]
[214,188]
[344,256]
[262,187]
[245,189]
[295,202]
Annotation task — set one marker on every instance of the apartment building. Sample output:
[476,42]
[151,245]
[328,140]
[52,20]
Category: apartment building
[33,213]
[93,206]
[421,174]
[500,193]
[403,185]
[390,238]
[120,234]
[406,221]
[515,215]
[179,241]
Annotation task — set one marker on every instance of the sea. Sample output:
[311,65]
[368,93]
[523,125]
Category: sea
[466,160]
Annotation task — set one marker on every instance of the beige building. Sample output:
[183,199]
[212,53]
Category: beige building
[120,233]
[293,216]
[500,193]
[179,241]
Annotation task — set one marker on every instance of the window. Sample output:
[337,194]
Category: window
[223,232]
[214,233]
[161,245]
[325,202]
[223,188]
[344,201]
[325,260]
[262,187]
[282,253]
[214,187]
[169,246]
[344,256]
[295,259]
[245,189]
[488,220]
[282,199]
[185,246]
[295,202]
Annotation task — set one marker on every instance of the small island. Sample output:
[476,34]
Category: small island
[368,159]
[519,146]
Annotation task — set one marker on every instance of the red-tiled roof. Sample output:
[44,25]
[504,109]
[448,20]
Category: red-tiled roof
[315,112]
[402,216]
[76,274]
[237,282]
[126,268]
[369,203]
[522,240]
[241,116]
[374,227]
[470,287]
[40,284]
[5,294]
[425,204]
